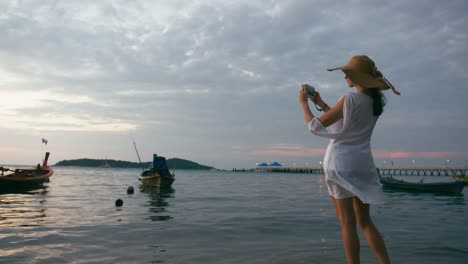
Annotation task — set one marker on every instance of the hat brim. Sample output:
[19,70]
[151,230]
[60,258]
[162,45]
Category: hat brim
[338,68]
[363,79]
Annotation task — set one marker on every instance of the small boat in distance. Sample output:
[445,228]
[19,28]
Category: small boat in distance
[159,175]
[25,178]
[105,165]
[454,187]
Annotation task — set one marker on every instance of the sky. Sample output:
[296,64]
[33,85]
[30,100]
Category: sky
[217,82]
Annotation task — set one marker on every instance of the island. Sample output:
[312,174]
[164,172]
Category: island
[174,163]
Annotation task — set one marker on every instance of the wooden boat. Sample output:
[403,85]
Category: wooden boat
[454,187]
[25,178]
[158,175]
[462,179]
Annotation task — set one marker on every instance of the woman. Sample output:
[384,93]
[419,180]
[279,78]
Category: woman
[350,172]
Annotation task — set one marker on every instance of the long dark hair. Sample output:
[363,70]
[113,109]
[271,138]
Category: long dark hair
[379,100]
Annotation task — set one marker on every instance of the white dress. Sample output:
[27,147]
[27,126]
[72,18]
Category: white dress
[348,164]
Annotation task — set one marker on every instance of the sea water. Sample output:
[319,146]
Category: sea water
[215,217]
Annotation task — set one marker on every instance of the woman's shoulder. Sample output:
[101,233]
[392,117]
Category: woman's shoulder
[352,94]
[357,96]
[353,98]
[348,96]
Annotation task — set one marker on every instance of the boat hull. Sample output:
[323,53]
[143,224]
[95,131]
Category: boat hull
[437,187]
[25,179]
[155,180]
[461,179]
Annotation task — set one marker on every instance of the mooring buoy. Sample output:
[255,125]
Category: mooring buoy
[118,202]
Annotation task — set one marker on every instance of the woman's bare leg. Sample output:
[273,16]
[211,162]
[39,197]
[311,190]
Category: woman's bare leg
[345,212]
[371,232]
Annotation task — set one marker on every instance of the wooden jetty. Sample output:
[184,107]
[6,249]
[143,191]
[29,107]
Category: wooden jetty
[283,170]
[290,170]
[396,171]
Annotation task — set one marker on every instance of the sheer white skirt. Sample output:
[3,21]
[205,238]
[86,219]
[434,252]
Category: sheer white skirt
[338,192]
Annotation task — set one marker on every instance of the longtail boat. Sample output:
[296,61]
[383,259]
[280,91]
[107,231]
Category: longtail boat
[462,179]
[159,175]
[454,187]
[25,178]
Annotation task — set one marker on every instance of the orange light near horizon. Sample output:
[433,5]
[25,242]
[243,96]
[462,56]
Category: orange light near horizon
[390,154]
[402,154]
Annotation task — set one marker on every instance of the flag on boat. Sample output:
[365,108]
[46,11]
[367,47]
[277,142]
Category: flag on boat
[44,141]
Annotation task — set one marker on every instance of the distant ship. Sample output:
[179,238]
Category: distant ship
[106,165]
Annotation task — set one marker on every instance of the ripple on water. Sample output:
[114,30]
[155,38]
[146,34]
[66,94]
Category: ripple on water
[214,217]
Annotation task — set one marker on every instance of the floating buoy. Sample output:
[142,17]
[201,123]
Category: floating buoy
[130,190]
[118,202]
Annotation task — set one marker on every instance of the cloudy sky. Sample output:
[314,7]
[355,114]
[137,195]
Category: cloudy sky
[216,82]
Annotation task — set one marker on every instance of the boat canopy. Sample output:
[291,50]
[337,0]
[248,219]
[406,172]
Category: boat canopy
[160,165]
[263,164]
[277,164]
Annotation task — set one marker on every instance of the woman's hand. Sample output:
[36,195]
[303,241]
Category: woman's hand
[317,99]
[304,105]
[303,95]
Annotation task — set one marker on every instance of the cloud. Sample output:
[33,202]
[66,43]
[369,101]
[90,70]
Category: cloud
[210,69]
[20,112]
[67,123]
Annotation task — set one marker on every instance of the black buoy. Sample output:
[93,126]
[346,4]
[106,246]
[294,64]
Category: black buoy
[118,202]
[130,190]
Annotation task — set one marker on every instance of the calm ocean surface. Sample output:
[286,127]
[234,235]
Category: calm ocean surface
[216,217]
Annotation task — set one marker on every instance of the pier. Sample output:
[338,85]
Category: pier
[403,171]
[282,170]
[290,170]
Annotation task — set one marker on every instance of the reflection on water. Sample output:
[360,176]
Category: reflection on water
[412,193]
[26,189]
[216,217]
[158,202]
[321,184]
[23,208]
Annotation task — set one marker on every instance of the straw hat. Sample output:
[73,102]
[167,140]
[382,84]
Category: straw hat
[362,71]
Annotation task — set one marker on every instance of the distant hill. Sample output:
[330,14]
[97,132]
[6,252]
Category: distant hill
[178,164]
